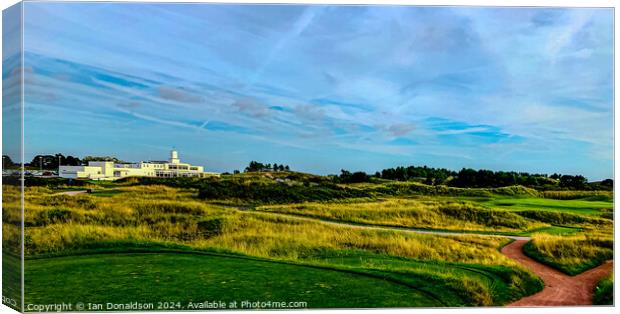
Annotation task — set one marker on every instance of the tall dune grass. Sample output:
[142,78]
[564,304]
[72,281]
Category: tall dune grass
[11,218]
[414,213]
[572,254]
[571,195]
[256,234]
[159,213]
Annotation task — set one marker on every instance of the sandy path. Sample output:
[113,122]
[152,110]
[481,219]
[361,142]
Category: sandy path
[560,289]
[71,192]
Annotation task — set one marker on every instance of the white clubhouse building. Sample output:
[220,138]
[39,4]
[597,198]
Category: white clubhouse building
[108,170]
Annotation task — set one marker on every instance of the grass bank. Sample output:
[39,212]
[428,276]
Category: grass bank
[571,254]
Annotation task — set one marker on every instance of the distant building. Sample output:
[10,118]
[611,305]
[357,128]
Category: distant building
[108,170]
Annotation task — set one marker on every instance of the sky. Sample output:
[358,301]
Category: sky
[323,88]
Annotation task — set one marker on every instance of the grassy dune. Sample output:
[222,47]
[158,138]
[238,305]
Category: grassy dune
[422,213]
[572,254]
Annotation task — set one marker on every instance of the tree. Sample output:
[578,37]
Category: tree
[86,159]
[254,166]
[7,162]
[345,175]
[70,161]
[574,182]
[359,176]
[355,177]
[50,162]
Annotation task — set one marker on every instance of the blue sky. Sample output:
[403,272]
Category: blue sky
[323,87]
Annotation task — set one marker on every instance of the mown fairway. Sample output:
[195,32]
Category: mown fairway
[578,206]
[170,241]
[180,277]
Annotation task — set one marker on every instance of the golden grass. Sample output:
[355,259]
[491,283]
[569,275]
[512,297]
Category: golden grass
[168,215]
[574,253]
[414,213]
[11,218]
[290,238]
[569,195]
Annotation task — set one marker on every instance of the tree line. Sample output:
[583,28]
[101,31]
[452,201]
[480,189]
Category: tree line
[51,162]
[256,166]
[466,177]
[471,178]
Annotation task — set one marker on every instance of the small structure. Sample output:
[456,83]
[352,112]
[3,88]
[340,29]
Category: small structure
[108,170]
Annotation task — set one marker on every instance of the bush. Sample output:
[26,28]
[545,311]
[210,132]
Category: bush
[275,193]
[55,215]
[604,292]
[210,227]
[38,181]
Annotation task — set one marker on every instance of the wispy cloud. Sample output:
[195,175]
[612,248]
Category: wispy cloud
[299,26]
[178,94]
[251,107]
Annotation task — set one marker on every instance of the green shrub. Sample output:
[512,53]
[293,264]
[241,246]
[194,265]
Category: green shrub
[55,215]
[275,193]
[604,291]
[210,227]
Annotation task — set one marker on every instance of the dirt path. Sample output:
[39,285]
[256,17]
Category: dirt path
[560,289]
[71,192]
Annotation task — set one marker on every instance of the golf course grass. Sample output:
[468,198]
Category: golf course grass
[179,277]
[577,206]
